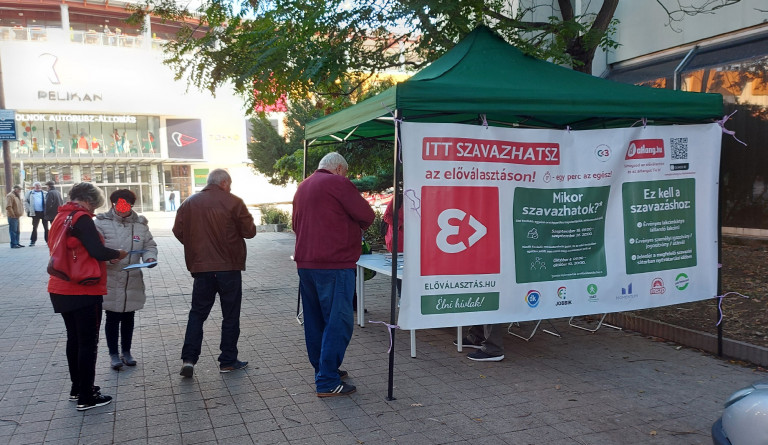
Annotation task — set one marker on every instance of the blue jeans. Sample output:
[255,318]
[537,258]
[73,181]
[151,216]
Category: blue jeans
[13,228]
[326,295]
[228,284]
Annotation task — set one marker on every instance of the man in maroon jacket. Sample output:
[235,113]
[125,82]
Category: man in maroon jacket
[329,215]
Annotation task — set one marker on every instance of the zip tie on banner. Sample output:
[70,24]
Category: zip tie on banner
[415,201]
[389,329]
[722,122]
[643,121]
[720,304]
[568,128]
[485,121]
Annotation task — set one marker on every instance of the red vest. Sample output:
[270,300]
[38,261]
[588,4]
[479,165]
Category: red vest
[59,286]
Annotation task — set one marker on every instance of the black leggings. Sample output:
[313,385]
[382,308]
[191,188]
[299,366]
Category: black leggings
[122,323]
[82,346]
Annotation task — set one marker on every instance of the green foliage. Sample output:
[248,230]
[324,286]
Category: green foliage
[372,234]
[267,146]
[273,215]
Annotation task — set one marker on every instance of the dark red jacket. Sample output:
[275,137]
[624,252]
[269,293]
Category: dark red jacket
[329,216]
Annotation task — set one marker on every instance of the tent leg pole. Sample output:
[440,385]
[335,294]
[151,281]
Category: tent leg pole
[395,242]
[720,256]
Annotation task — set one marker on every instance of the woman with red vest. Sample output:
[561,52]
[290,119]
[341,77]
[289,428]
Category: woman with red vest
[79,304]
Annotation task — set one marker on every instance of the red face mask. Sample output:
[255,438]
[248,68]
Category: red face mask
[122,206]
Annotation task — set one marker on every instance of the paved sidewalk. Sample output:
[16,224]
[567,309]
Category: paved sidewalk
[610,387]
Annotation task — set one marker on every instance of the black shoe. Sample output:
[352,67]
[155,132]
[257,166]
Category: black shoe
[482,356]
[74,395]
[465,343]
[344,389]
[187,370]
[16,247]
[342,374]
[95,401]
[233,366]
[31,244]
[20,246]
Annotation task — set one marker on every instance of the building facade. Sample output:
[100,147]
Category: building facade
[726,52]
[94,102]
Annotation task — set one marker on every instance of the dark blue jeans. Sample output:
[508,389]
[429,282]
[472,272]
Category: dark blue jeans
[35,221]
[13,228]
[326,295]
[228,284]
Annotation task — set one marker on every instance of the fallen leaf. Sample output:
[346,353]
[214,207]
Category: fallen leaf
[653,432]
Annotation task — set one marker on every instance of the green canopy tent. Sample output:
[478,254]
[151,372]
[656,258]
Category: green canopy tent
[484,75]
[484,80]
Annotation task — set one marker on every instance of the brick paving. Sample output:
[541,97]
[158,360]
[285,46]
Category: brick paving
[610,387]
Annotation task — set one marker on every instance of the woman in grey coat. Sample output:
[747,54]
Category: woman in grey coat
[122,228]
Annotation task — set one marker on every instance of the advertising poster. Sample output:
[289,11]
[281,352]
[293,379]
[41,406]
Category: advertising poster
[509,225]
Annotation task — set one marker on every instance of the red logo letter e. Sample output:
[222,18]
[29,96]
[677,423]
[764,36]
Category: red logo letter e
[460,230]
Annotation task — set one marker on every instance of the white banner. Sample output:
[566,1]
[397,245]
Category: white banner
[511,225]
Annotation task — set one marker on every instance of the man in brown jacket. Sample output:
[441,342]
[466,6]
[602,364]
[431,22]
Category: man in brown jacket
[14,208]
[212,225]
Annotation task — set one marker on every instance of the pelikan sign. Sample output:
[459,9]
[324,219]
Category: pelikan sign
[47,65]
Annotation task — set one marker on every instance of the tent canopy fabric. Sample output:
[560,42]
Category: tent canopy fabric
[485,76]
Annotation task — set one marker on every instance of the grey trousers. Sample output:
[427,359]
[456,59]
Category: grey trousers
[491,336]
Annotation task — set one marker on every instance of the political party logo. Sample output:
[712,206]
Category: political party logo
[681,281]
[561,295]
[657,286]
[460,230]
[136,238]
[645,149]
[626,293]
[603,152]
[592,292]
[532,298]
[182,140]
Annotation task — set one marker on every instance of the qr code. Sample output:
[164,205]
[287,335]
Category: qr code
[679,148]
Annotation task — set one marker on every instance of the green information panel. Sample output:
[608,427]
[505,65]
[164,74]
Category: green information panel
[659,224]
[456,303]
[559,233]
[201,176]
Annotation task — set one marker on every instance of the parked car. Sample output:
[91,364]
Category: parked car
[745,418]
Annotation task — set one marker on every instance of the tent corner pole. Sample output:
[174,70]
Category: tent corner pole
[720,256]
[395,243]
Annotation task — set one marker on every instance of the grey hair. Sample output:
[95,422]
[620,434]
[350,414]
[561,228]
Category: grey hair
[36,183]
[218,176]
[87,192]
[332,160]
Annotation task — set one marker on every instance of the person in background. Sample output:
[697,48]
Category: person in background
[388,218]
[52,202]
[329,216]
[123,228]
[80,305]
[172,200]
[212,225]
[13,210]
[51,140]
[35,206]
